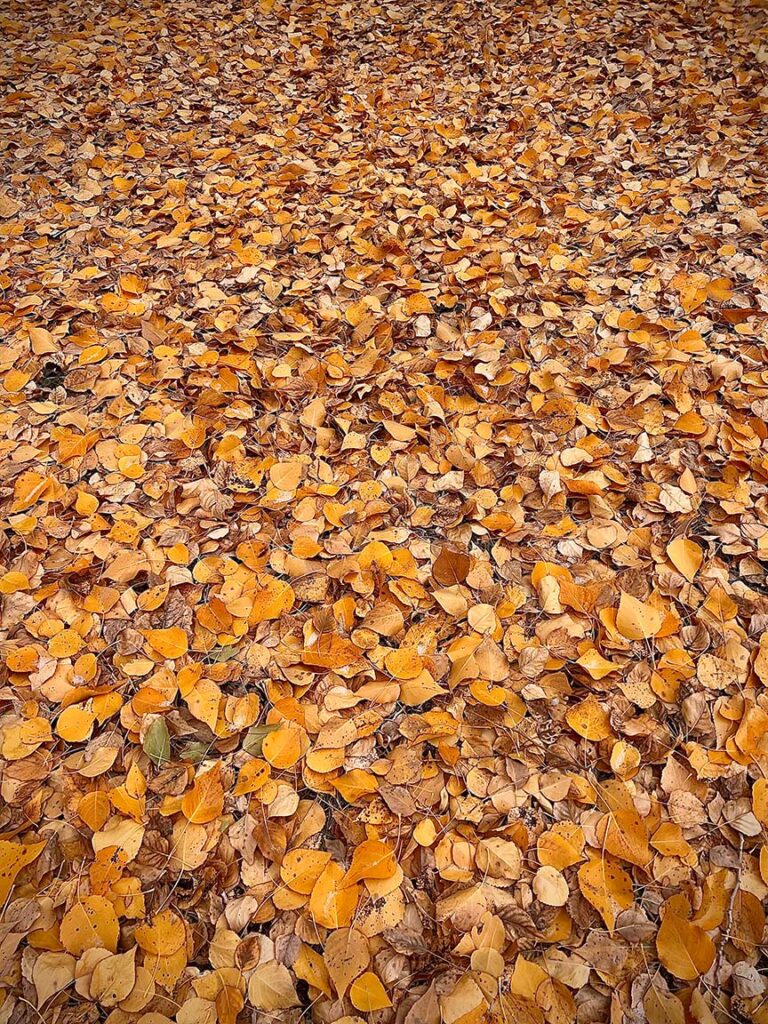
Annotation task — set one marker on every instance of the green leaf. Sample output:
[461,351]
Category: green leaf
[157,742]
[194,752]
[224,654]
[255,737]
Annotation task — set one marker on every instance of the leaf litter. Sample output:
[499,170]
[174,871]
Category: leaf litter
[383,485]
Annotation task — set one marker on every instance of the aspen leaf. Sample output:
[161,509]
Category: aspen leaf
[355,785]
[94,809]
[663,1008]
[561,846]
[417,303]
[346,956]
[623,834]
[668,840]
[13,582]
[589,719]
[113,978]
[205,801]
[75,724]
[489,961]
[270,988]
[196,1011]
[625,759]
[499,858]
[170,643]
[331,904]
[65,644]
[142,992]
[301,869]
[166,970]
[283,747]
[310,967]
[596,665]
[89,924]
[124,835]
[252,776]
[22,739]
[684,948]
[451,567]
[550,887]
[42,341]
[607,887]
[271,600]
[371,859]
[686,556]
[22,659]
[404,663]
[203,701]
[465,1003]
[366,993]
[51,973]
[286,475]
[229,1003]
[14,857]
[254,741]
[384,507]
[638,620]
[164,934]
[157,742]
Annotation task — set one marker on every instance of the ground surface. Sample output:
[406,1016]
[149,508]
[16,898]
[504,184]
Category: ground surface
[384,616]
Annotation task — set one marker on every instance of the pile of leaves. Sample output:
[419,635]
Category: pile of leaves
[384,507]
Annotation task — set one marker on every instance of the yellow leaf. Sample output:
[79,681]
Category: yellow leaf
[75,724]
[170,643]
[589,719]
[286,475]
[113,978]
[368,994]
[596,665]
[122,833]
[661,1008]
[164,935]
[356,784]
[331,905]
[668,840]
[270,988]
[684,948]
[561,846]
[550,886]
[273,597]
[90,924]
[346,956]
[300,869]
[52,972]
[283,747]
[12,582]
[22,659]
[405,663]
[205,801]
[686,556]
[65,644]
[371,859]
[203,701]
[166,971]
[252,776]
[417,303]
[607,887]
[638,620]
[14,857]
[93,809]
[623,834]
[310,967]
